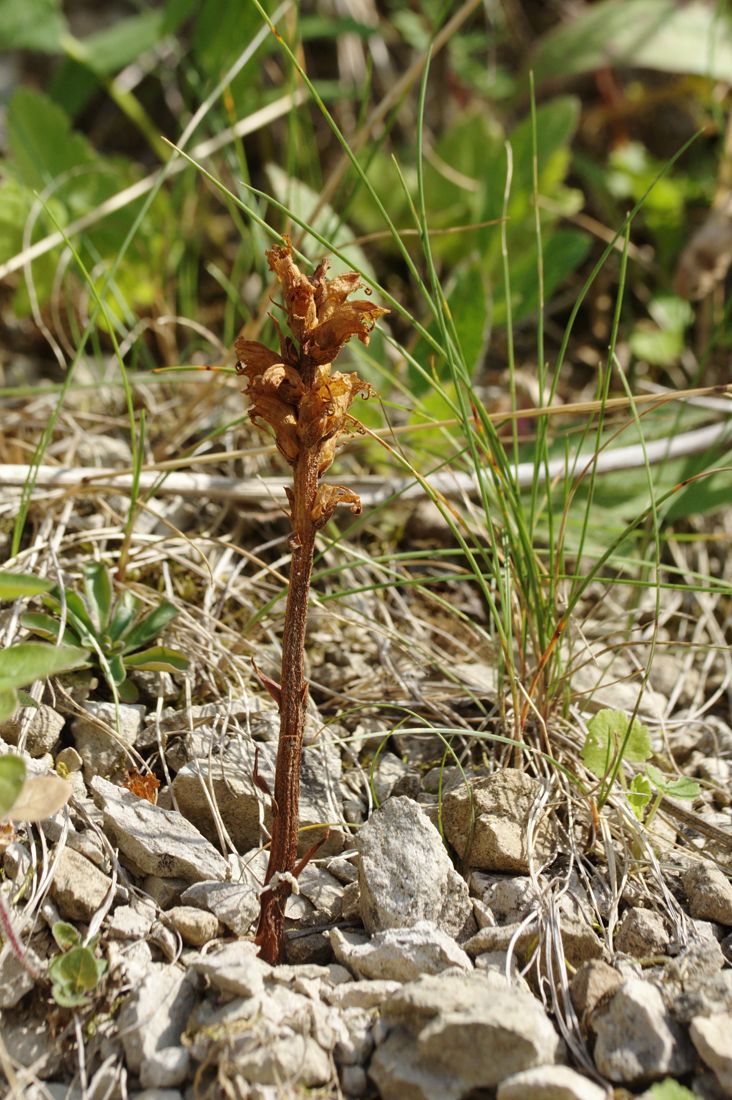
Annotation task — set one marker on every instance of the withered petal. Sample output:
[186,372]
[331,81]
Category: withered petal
[327,500]
[255,357]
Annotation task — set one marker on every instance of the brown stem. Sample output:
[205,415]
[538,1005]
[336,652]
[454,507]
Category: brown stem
[293,705]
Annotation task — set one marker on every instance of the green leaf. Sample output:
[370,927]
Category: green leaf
[152,625]
[13,585]
[694,37]
[42,143]
[22,664]
[109,50]
[123,616]
[609,733]
[639,795]
[77,971]
[12,778]
[65,935]
[670,1090]
[8,702]
[678,787]
[158,659]
[98,588]
[79,617]
[32,25]
[45,626]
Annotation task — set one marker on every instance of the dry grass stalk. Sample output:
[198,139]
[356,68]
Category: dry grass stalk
[297,393]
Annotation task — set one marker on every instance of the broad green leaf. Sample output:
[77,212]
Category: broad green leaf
[117,669]
[639,795]
[32,25]
[109,50]
[13,585]
[467,301]
[608,734]
[694,37]
[42,143]
[41,797]
[149,627]
[678,787]
[158,659]
[12,778]
[77,970]
[98,588]
[65,935]
[79,617]
[22,664]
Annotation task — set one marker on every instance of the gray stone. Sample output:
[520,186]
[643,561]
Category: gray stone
[455,1032]
[709,893]
[637,1040]
[549,1083]
[364,995]
[235,904]
[354,1081]
[103,742]
[323,891]
[509,898]
[155,1014]
[642,932]
[78,888]
[195,926]
[30,1043]
[351,903]
[487,823]
[156,841]
[15,978]
[131,922]
[38,728]
[712,1037]
[157,1094]
[390,770]
[233,969]
[399,954]
[227,778]
[165,1068]
[405,874]
[288,1059]
[345,870]
[579,941]
[594,983]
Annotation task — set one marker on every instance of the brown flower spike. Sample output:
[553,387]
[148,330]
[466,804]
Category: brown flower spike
[305,402]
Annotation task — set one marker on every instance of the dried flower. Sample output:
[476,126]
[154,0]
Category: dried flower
[306,404]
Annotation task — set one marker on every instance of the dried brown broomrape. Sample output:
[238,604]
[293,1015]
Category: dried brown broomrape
[306,403]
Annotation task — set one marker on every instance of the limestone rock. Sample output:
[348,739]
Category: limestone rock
[165,1068]
[642,932]
[455,1032]
[493,817]
[405,874]
[158,842]
[593,984]
[637,1040]
[155,1014]
[709,893]
[549,1083]
[195,926]
[235,904]
[712,1037]
[38,728]
[78,887]
[234,969]
[227,777]
[102,742]
[399,954]
[15,981]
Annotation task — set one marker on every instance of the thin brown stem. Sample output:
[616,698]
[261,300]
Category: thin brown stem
[293,706]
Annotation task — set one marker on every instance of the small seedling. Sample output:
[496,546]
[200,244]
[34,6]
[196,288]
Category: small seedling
[611,740]
[297,394]
[113,631]
[77,971]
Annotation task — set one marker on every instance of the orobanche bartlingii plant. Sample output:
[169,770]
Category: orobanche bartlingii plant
[305,402]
